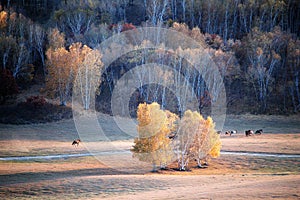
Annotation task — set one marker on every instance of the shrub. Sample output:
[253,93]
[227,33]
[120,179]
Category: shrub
[27,113]
[36,101]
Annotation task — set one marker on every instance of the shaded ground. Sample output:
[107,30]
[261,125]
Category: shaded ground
[235,186]
[27,113]
[229,177]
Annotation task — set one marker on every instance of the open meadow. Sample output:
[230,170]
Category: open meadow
[273,175]
[92,89]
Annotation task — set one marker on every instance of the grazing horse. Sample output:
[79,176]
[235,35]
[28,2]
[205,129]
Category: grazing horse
[76,142]
[227,133]
[249,132]
[259,132]
[231,132]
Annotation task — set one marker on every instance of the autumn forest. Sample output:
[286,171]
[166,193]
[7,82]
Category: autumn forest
[254,43]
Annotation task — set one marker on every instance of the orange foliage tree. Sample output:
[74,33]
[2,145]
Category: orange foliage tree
[64,65]
[60,72]
[3,19]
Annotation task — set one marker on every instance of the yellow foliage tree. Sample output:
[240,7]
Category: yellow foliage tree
[214,139]
[207,142]
[154,127]
[196,139]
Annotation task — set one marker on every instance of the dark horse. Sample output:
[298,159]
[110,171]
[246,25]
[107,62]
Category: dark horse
[76,142]
[231,132]
[249,132]
[259,132]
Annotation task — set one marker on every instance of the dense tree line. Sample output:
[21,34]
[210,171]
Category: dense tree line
[227,18]
[254,42]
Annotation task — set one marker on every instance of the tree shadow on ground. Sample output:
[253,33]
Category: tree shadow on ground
[46,176]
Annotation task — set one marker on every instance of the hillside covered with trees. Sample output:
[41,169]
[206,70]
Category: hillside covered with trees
[254,43]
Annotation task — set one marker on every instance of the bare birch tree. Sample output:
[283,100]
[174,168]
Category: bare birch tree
[263,60]
[89,76]
[20,60]
[39,37]
[8,46]
[156,10]
[294,66]
[184,139]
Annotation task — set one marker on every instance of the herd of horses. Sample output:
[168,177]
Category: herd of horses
[231,132]
[247,132]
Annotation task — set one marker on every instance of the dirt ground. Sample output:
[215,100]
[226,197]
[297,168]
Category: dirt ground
[227,177]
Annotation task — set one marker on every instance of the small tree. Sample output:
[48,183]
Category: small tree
[153,143]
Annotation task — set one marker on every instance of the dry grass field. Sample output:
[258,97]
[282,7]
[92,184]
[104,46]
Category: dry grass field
[227,177]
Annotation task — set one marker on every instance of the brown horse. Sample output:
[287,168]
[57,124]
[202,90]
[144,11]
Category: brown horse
[76,142]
